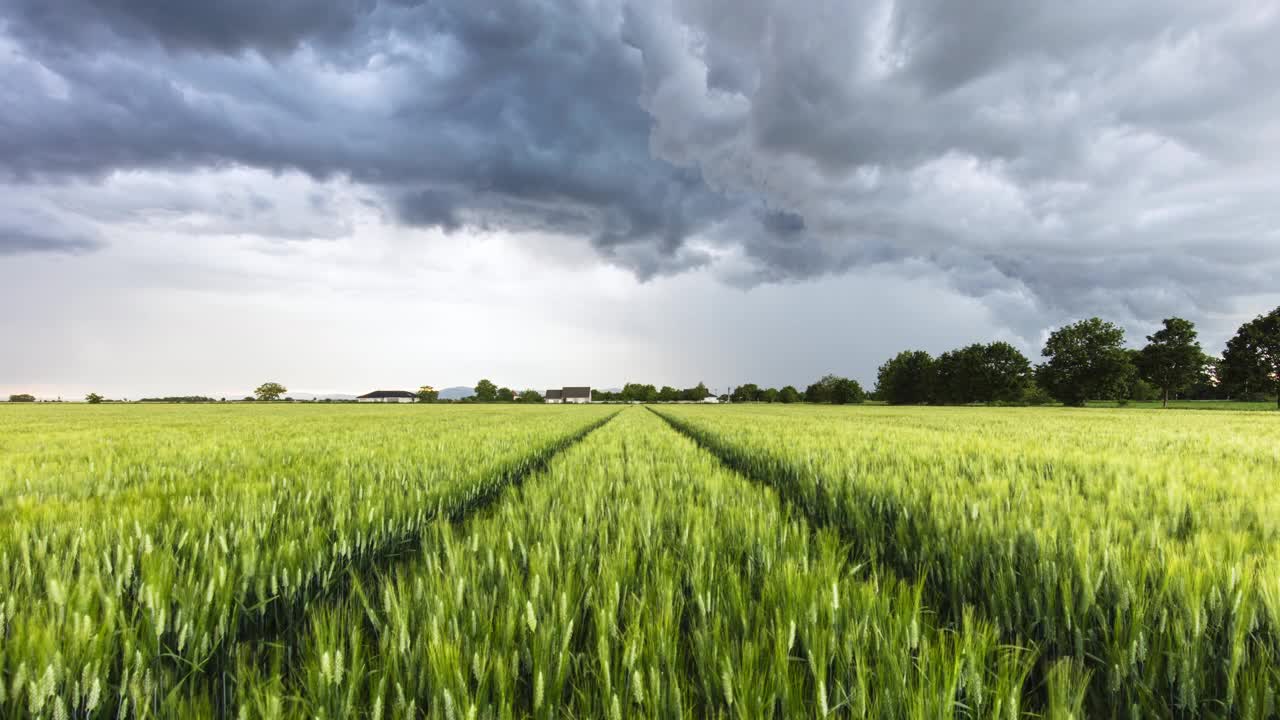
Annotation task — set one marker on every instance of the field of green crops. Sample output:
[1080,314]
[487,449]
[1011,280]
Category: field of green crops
[679,561]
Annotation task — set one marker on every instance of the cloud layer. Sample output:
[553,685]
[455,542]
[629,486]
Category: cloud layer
[1050,159]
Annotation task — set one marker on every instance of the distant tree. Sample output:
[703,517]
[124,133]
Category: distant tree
[1086,360]
[697,393]
[1251,363]
[668,394]
[834,389]
[635,392]
[847,391]
[93,399]
[249,398]
[1142,391]
[1036,395]
[427,394]
[907,379]
[486,391]
[505,394]
[745,393]
[270,391]
[957,376]
[769,395]
[1006,373]
[788,394]
[1172,359]
[997,372]
[22,397]
[530,396]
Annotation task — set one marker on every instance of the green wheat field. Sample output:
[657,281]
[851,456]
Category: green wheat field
[671,561]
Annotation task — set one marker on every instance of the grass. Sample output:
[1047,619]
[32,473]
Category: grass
[748,561]
[139,546]
[1233,405]
[1144,545]
[638,577]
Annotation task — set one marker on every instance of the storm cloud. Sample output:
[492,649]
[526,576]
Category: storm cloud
[1054,159]
[18,239]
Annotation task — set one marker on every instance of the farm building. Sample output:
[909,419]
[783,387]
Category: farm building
[568,395]
[387,396]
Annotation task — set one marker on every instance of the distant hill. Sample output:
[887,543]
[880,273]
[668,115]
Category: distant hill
[456,393]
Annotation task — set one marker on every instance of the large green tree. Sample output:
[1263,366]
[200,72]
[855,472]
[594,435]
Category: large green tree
[697,393]
[1251,363]
[997,372]
[93,399]
[270,391]
[745,393]
[836,390]
[1085,360]
[788,394]
[428,394]
[638,392]
[529,396]
[1172,359]
[847,391]
[907,379]
[486,391]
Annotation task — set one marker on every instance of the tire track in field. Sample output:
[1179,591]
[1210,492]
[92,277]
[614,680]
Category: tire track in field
[1157,700]
[291,621]
[784,483]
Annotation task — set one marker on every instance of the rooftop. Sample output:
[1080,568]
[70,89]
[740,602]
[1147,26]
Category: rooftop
[383,394]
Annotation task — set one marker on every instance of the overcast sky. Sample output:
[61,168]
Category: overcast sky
[360,194]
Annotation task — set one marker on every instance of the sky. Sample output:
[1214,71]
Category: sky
[347,195]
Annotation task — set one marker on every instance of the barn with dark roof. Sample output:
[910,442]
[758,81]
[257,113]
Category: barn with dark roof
[568,395]
[387,396]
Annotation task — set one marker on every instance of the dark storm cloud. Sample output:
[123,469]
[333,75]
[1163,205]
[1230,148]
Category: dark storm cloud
[1076,157]
[16,238]
[225,26]
[523,115]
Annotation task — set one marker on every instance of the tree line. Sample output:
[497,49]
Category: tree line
[639,392]
[1088,360]
[486,391]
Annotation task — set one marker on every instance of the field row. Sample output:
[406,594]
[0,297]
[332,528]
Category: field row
[637,577]
[1147,550]
[138,550]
